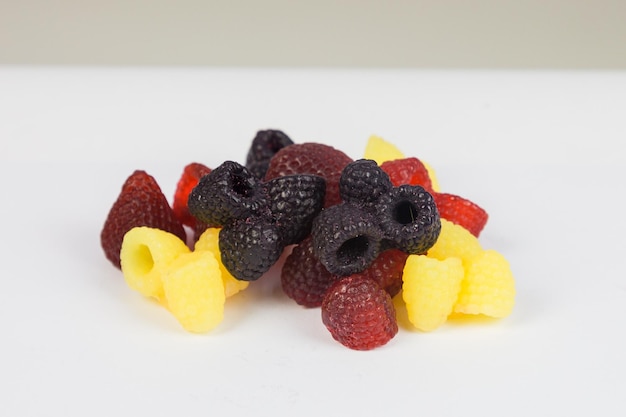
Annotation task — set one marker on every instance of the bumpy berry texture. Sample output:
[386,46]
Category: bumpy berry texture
[264,146]
[194,291]
[140,203]
[305,280]
[461,211]
[378,210]
[374,216]
[408,218]
[430,289]
[145,255]
[249,247]
[455,242]
[189,179]
[409,171]
[383,151]
[451,207]
[359,314]
[314,159]
[303,277]
[295,200]
[363,182]
[387,269]
[346,238]
[228,193]
[258,219]
[488,287]
[209,241]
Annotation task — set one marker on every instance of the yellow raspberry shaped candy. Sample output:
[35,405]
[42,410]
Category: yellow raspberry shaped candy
[194,291]
[146,252]
[455,241]
[488,287]
[379,150]
[430,289]
[209,241]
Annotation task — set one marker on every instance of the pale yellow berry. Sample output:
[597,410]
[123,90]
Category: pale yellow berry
[430,288]
[488,287]
[455,241]
[194,291]
[146,252]
[209,241]
[379,150]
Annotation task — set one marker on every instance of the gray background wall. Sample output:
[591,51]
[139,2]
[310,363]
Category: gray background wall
[420,33]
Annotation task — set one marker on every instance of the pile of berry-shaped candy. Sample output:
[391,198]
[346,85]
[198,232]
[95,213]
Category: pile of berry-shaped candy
[356,234]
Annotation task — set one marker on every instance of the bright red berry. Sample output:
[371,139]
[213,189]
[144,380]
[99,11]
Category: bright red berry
[461,211]
[140,203]
[358,313]
[311,158]
[408,171]
[189,179]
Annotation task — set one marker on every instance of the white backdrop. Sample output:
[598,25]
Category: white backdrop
[540,151]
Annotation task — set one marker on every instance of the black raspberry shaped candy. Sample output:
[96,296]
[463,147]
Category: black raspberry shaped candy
[363,182]
[295,200]
[346,238]
[227,193]
[249,247]
[408,218]
[264,146]
[258,219]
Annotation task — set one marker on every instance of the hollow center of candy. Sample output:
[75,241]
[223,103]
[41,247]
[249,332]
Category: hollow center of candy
[143,260]
[352,250]
[405,212]
[242,185]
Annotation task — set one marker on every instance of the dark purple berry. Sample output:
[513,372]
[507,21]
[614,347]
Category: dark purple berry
[408,218]
[295,200]
[227,193]
[264,146]
[249,247]
[363,182]
[346,238]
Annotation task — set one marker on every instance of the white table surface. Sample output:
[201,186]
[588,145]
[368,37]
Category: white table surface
[540,151]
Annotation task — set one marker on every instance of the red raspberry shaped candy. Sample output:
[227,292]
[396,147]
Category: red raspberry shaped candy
[387,269]
[358,313]
[408,171]
[303,278]
[140,203]
[188,180]
[461,211]
[311,158]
